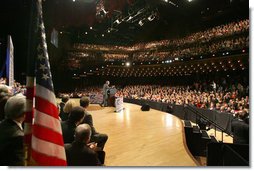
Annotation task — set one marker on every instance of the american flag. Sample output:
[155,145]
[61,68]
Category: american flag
[47,141]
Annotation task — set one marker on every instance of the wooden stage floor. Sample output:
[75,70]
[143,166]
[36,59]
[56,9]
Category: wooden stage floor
[138,138]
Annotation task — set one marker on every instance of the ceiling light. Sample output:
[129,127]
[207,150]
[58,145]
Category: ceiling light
[151,17]
[118,21]
[141,23]
[130,17]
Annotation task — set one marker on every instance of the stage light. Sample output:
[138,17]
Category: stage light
[130,17]
[118,21]
[102,35]
[141,23]
[85,32]
[91,28]
[151,17]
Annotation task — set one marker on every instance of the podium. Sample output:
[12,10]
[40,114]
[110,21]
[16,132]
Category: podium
[111,96]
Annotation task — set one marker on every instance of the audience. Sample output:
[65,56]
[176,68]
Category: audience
[83,144]
[68,127]
[80,152]
[11,132]
[223,99]
[67,109]
[4,96]
[228,37]
[240,128]
[97,137]
[63,115]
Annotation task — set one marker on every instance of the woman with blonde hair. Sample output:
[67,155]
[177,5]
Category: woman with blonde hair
[67,109]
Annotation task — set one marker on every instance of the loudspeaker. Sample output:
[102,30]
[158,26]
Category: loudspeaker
[145,107]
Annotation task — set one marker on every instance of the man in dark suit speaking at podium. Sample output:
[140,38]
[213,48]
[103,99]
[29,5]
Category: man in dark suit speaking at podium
[105,93]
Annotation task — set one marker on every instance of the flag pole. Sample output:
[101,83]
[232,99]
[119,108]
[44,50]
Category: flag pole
[30,78]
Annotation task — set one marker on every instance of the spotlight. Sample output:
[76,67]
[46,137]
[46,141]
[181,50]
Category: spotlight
[118,21]
[130,17]
[141,23]
[91,28]
[127,64]
[151,17]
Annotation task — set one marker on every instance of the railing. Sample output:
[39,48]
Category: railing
[222,120]
[216,126]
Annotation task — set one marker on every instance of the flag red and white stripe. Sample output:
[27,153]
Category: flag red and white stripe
[47,142]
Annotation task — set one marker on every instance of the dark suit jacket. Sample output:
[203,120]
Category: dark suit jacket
[11,144]
[78,154]
[240,131]
[68,131]
[62,114]
[89,120]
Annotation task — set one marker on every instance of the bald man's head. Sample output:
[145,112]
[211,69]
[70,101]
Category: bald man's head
[83,133]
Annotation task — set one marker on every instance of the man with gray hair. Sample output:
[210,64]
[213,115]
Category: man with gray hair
[11,132]
[79,152]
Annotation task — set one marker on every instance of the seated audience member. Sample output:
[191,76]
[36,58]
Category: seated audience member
[4,96]
[68,127]
[97,137]
[67,109]
[62,114]
[79,152]
[11,132]
[240,128]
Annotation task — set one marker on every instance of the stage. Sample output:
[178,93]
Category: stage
[138,138]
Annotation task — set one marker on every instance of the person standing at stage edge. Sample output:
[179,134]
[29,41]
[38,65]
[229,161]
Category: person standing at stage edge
[105,93]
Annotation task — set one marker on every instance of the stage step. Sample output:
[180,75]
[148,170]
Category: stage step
[196,129]
[187,123]
[205,134]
